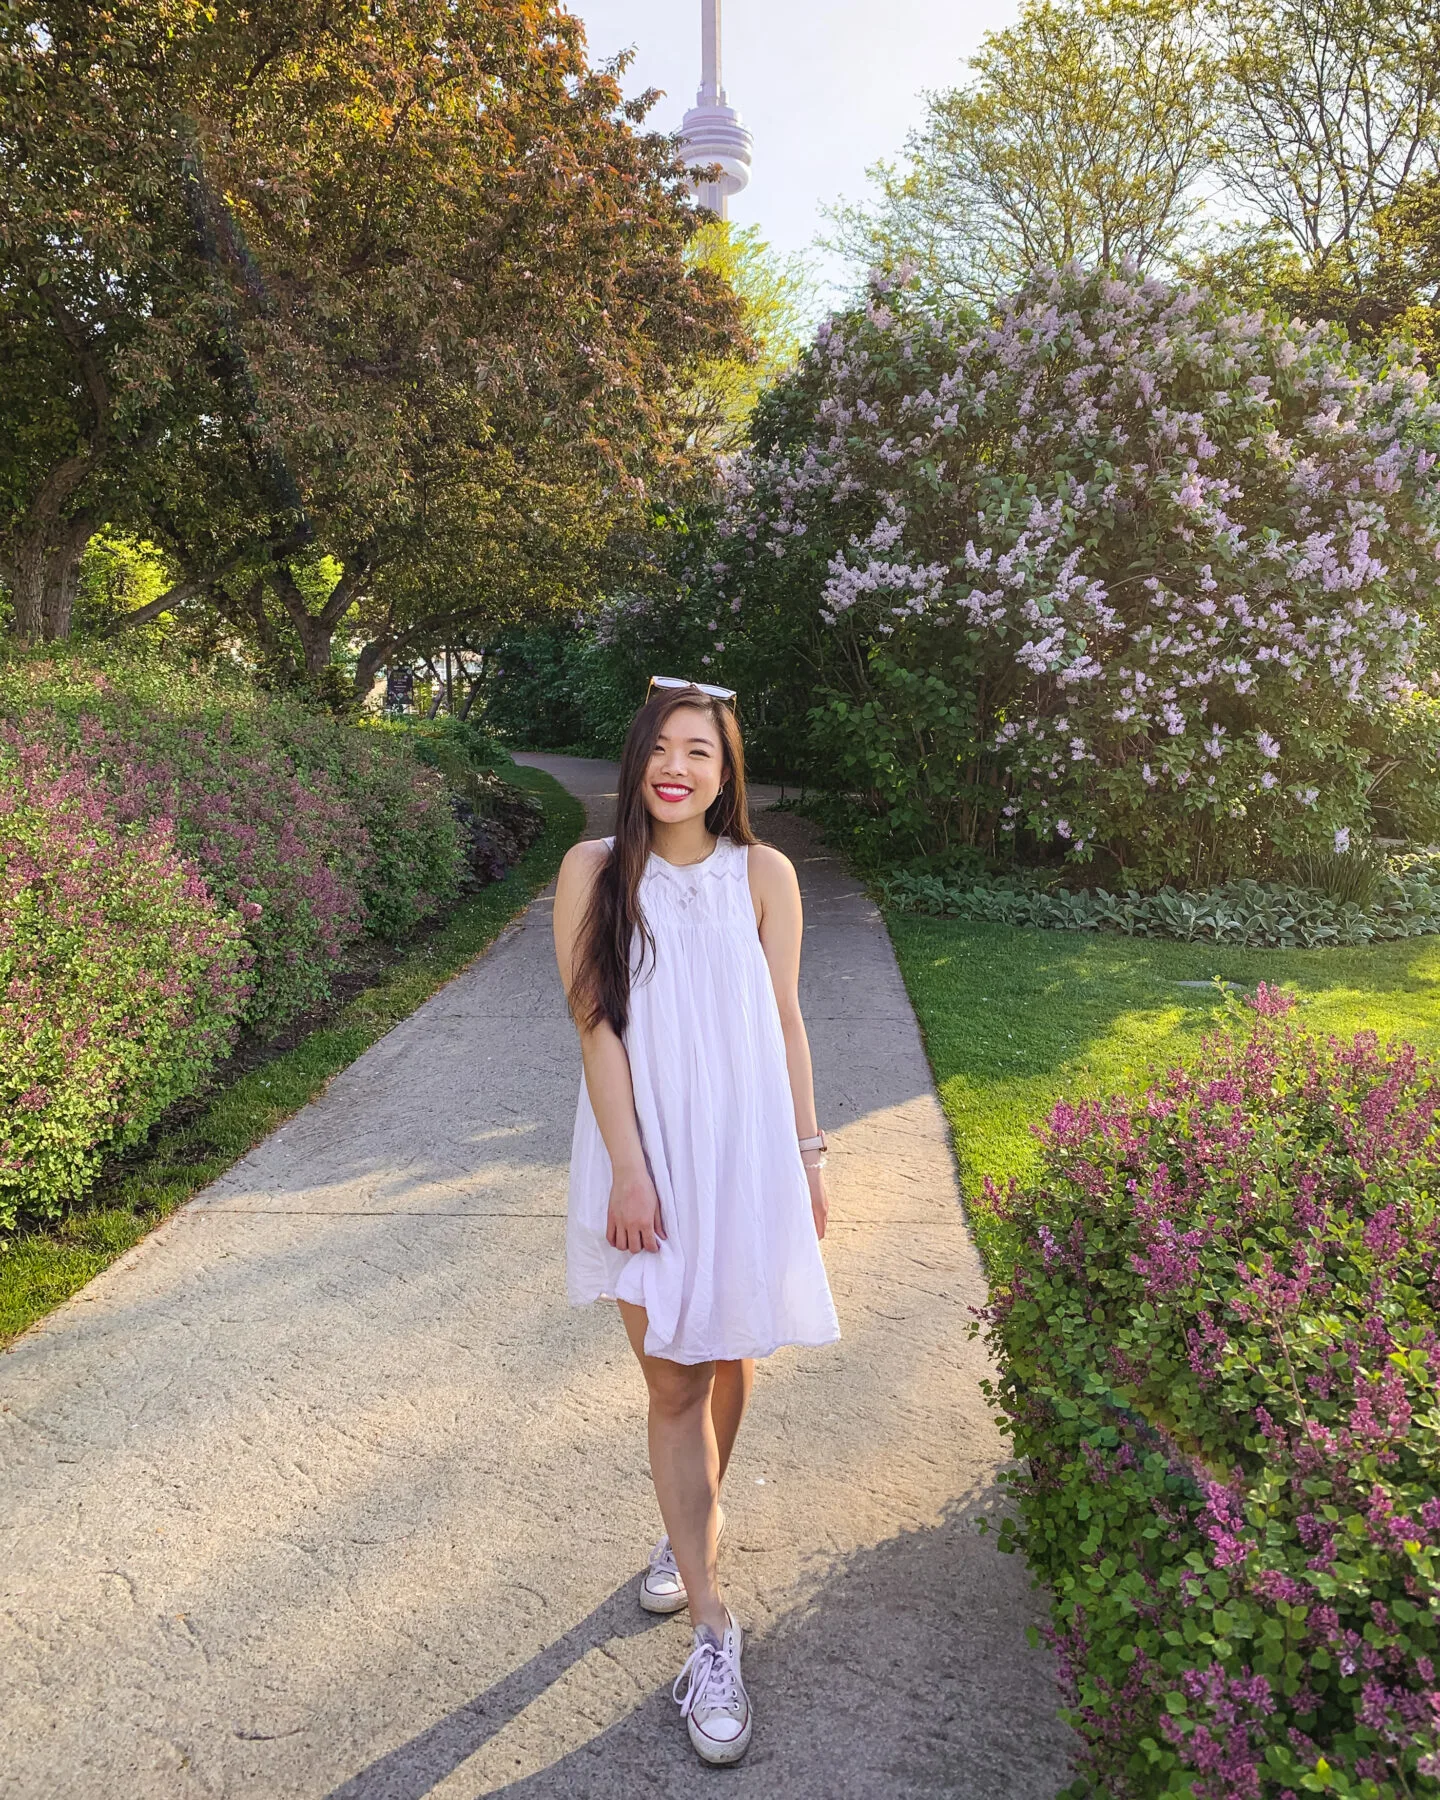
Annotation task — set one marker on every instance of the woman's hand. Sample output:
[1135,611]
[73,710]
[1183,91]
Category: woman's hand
[819,1200]
[634,1221]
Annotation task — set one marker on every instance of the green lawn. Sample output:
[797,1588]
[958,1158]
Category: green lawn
[40,1271]
[1013,1020]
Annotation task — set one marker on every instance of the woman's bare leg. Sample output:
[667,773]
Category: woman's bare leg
[728,1400]
[685,1467]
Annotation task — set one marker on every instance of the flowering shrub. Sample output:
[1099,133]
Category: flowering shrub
[1217,1333]
[417,857]
[312,830]
[120,979]
[279,848]
[1126,569]
[1260,915]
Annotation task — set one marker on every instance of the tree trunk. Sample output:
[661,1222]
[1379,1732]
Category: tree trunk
[28,587]
[435,676]
[470,698]
[371,661]
[316,631]
[46,559]
[30,559]
[315,634]
[62,576]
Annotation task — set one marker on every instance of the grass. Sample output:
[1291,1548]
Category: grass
[44,1268]
[1014,1019]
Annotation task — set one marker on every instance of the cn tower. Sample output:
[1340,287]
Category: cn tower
[711,132]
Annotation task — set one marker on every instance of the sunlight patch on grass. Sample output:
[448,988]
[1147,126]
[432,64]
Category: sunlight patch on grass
[1015,1020]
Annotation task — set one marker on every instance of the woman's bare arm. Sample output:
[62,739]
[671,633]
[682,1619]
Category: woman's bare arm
[776,886]
[634,1222]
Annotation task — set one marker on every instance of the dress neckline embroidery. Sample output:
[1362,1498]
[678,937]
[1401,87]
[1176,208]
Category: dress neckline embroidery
[686,868]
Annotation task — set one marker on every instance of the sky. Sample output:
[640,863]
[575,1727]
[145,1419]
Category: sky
[828,87]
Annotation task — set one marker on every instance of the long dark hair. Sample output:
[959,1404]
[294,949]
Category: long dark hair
[600,984]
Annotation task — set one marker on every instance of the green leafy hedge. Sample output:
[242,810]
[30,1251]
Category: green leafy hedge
[1252,914]
[1216,1324]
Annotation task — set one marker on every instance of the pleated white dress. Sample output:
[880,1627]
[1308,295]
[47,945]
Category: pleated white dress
[739,1272]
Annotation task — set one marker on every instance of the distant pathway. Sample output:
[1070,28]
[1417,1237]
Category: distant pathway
[324,1491]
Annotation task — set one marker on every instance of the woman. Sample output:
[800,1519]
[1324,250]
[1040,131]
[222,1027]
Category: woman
[697,1196]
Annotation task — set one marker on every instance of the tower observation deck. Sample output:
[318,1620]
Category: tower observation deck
[711,131]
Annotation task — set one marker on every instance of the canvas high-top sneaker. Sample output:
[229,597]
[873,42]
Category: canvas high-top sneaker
[661,1589]
[714,1705]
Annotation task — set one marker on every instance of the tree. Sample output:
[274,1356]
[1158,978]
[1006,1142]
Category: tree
[776,311]
[102,318]
[427,254]
[1080,136]
[1387,284]
[1122,568]
[1329,136]
[1329,109]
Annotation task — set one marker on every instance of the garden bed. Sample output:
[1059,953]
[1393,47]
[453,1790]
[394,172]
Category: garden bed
[1014,1022]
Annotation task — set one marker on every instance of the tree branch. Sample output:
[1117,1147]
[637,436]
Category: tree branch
[193,585]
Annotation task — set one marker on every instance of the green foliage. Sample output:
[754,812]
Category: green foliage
[909,747]
[776,305]
[370,318]
[461,749]
[1215,1318]
[566,688]
[1080,134]
[119,573]
[121,981]
[1403,900]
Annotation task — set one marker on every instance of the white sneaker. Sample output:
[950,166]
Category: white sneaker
[715,1705]
[661,1588]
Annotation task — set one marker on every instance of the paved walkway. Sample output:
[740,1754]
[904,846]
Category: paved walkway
[324,1491]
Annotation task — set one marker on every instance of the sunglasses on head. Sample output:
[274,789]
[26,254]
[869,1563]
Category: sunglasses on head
[676,681]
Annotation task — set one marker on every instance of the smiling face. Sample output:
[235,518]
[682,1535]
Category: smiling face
[686,767]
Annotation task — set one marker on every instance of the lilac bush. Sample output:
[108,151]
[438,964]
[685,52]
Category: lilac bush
[1126,569]
[1216,1326]
[121,980]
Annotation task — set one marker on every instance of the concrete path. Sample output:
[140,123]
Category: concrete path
[324,1491]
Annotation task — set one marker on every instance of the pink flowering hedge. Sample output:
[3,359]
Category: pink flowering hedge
[312,830]
[181,857]
[1217,1332]
[1125,570]
[121,980]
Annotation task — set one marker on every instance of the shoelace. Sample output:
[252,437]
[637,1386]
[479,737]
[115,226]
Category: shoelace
[714,1680]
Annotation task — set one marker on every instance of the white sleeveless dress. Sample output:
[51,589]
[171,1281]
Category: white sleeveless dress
[739,1272]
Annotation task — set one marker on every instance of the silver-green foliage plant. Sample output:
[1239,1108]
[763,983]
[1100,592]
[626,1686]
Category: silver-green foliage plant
[1260,915]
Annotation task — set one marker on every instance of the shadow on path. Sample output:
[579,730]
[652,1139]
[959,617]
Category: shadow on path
[838,1710]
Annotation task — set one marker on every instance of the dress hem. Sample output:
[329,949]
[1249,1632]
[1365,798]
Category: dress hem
[729,1355]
